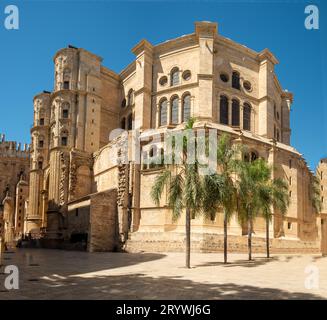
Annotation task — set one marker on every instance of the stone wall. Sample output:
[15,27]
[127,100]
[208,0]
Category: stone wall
[103,232]
[175,242]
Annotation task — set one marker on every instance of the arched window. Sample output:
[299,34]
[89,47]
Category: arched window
[130,122]
[40,163]
[250,156]
[65,110]
[41,142]
[236,80]
[66,79]
[130,97]
[163,113]
[186,107]
[153,151]
[247,117]
[235,113]
[152,156]
[64,138]
[123,123]
[223,110]
[174,77]
[254,156]
[277,135]
[174,110]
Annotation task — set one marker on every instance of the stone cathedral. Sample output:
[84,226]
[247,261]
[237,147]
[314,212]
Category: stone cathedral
[80,195]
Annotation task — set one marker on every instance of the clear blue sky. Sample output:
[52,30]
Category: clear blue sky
[110,29]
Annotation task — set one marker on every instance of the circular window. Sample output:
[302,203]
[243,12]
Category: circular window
[247,85]
[163,81]
[186,75]
[224,77]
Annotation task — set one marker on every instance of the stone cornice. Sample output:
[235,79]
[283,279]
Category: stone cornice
[206,29]
[220,40]
[266,54]
[109,73]
[142,46]
[142,90]
[63,51]
[39,95]
[62,93]
[128,70]
[175,88]
[176,44]
[76,50]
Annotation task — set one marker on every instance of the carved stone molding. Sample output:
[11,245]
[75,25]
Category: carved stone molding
[64,168]
[77,159]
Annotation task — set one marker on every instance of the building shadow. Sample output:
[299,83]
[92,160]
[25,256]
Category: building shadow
[75,278]
[76,262]
[139,286]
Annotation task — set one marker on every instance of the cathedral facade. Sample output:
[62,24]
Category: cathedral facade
[82,191]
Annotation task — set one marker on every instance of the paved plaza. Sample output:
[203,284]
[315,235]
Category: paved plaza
[55,274]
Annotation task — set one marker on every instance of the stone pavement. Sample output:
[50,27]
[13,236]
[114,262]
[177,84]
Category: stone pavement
[55,274]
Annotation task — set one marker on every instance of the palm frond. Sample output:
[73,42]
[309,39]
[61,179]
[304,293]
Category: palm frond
[175,195]
[157,189]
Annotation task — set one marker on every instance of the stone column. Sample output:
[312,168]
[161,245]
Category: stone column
[53,214]
[33,218]
[192,106]
[158,116]
[230,112]
[241,116]
[180,111]
[168,113]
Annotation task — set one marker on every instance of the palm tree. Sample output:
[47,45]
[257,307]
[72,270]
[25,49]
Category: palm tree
[184,190]
[258,193]
[251,174]
[272,194]
[219,189]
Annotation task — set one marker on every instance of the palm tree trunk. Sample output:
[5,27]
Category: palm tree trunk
[225,237]
[267,237]
[188,238]
[250,238]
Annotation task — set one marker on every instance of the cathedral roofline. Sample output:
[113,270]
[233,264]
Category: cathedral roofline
[44,93]
[73,49]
